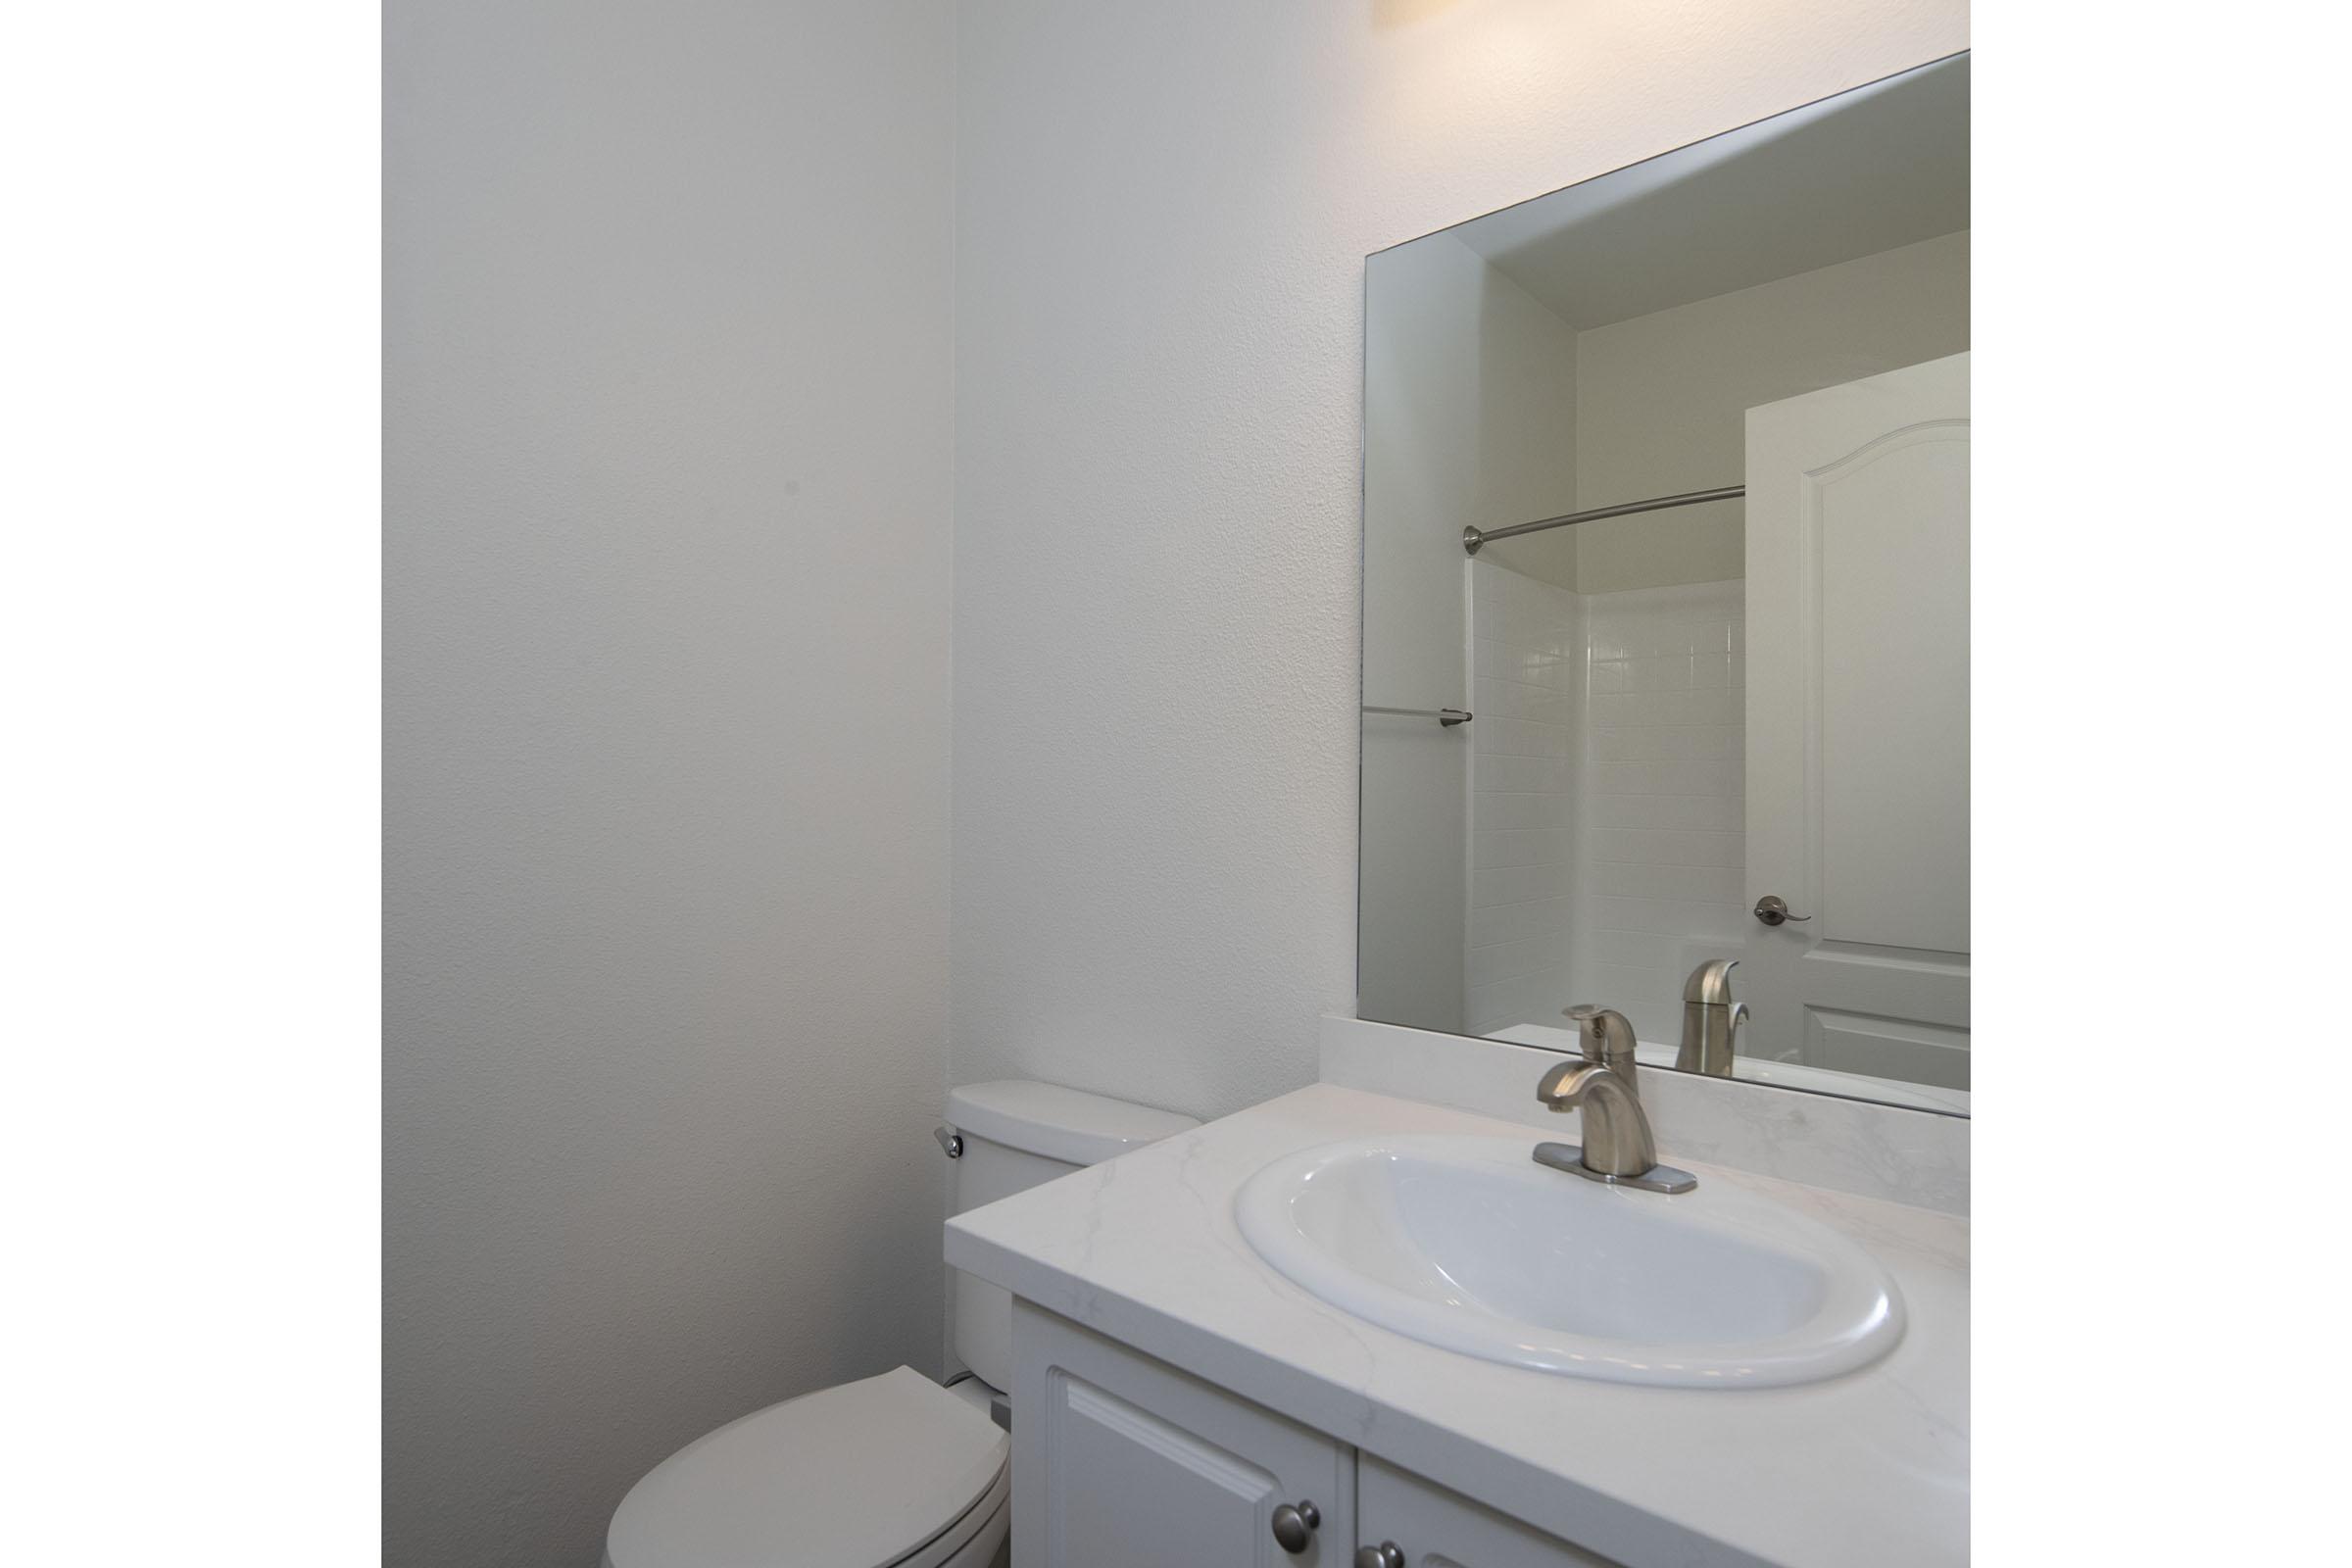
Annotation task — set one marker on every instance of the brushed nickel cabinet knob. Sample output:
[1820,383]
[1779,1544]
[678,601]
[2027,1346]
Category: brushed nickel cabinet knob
[1295,1525]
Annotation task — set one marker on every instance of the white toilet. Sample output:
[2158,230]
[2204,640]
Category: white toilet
[891,1471]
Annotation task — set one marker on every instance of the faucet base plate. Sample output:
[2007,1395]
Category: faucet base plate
[1570,1158]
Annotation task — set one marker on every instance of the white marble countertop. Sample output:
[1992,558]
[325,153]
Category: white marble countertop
[1868,1470]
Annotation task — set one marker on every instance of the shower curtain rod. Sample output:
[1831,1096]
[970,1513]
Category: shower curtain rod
[1472,538]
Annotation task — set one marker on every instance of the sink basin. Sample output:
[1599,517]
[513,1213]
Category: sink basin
[1468,1244]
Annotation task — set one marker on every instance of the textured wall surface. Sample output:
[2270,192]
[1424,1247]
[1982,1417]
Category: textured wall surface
[1162,214]
[668,539]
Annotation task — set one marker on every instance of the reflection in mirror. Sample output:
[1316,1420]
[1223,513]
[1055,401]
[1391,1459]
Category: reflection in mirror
[1714,772]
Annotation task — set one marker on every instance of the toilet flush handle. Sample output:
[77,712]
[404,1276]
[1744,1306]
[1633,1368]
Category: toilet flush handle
[950,1142]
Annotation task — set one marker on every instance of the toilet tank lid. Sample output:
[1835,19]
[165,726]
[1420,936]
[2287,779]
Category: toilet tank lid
[1056,1123]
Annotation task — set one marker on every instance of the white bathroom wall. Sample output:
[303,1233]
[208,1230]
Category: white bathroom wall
[1162,220]
[669,491]
[1470,414]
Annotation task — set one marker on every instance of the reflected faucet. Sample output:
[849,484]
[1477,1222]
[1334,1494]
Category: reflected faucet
[1711,1019]
[1618,1146]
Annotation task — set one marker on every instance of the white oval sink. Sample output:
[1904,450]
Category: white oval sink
[1468,1244]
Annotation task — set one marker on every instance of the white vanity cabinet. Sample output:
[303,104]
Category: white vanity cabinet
[1122,1461]
[1410,1523]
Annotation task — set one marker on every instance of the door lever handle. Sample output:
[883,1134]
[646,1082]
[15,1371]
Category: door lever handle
[1773,909]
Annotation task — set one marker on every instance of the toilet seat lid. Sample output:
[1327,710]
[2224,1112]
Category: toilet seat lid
[857,1476]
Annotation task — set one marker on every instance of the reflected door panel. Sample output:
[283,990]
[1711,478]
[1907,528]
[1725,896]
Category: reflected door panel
[1858,725]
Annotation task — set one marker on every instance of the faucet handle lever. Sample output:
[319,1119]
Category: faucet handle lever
[1604,1034]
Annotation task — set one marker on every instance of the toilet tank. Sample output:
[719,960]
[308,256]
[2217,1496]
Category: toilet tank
[1017,1133]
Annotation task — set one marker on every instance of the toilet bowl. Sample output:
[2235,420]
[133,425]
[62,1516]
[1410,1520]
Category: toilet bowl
[887,1470]
[893,1471]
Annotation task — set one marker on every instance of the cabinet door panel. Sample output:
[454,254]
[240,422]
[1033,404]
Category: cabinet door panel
[1120,1461]
[1439,1528]
[1130,1488]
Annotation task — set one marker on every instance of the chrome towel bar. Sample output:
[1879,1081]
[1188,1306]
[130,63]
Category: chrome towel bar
[1447,717]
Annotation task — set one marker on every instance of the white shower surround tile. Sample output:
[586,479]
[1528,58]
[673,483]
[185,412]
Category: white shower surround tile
[1526,656]
[1663,857]
[1607,811]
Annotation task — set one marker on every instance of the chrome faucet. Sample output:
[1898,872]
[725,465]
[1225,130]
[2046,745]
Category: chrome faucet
[1605,1037]
[1618,1148]
[1711,1019]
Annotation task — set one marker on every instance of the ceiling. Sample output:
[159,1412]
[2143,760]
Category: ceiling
[1883,166]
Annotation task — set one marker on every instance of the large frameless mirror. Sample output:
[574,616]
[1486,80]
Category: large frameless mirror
[1665,663]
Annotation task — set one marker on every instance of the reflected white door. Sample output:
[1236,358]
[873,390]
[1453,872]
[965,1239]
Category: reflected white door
[1858,725]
